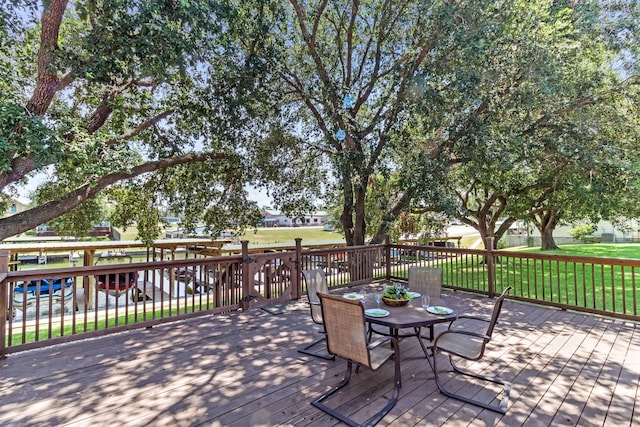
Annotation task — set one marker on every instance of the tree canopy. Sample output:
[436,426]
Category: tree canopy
[537,116]
[159,97]
[406,91]
[383,107]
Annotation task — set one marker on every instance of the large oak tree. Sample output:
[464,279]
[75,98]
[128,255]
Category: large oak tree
[152,100]
[539,117]
[346,82]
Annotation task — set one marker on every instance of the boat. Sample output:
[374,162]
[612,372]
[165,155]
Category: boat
[115,283]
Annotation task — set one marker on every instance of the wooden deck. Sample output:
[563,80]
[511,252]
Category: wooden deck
[243,369]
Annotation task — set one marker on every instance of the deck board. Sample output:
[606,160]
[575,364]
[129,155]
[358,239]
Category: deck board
[243,369]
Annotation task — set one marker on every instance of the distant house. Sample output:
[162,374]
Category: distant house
[274,218]
[316,218]
[99,230]
[15,207]
[171,220]
[606,232]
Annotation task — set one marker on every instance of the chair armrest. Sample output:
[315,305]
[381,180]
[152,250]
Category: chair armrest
[468,345]
[480,319]
[377,342]
[466,333]
[483,319]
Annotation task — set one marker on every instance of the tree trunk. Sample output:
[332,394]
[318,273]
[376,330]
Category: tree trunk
[346,217]
[360,226]
[47,84]
[503,229]
[546,221]
[548,243]
[383,230]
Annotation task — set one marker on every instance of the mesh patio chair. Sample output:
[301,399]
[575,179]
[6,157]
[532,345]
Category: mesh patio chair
[316,281]
[427,281]
[346,329]
[468,342]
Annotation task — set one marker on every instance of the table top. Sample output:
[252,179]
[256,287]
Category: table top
[412,315]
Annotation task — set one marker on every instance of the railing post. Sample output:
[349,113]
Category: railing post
[387,255]
[297,284]
[246,289]
[4,303]
[491,272]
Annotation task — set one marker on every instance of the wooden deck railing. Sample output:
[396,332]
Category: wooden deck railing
[605,286]
[56,305]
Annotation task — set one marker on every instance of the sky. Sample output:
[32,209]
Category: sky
[255,194]
[259,196]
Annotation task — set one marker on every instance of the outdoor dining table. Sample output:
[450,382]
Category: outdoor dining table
[411,316]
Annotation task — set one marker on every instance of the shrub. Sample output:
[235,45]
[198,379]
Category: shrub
[583,232]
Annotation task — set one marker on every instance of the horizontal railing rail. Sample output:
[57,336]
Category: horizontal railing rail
[605,286]
[56,305]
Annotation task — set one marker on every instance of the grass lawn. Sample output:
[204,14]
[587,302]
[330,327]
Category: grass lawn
[289,234]
[599,286]
[610,250]
[55,331]
[263,236]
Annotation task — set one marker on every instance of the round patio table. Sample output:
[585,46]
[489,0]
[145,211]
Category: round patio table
[411,316]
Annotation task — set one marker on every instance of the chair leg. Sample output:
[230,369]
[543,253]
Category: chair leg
[501,408]
[318,401]
[376,417]
[394,397]
[307,350]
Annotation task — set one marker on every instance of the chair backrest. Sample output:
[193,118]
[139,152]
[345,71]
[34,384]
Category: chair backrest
[426,280]
[315,281]
[345,326]
[497,307]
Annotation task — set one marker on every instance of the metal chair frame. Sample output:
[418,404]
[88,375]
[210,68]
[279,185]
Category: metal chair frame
[316,281]
[345,325]
[427,281]
[476,345]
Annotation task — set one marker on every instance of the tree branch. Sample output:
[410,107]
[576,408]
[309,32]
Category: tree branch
[47,83]
[294,81]
[31,218]
[104,109]
[582,102]
[20,167]
[141,127]
[355,4]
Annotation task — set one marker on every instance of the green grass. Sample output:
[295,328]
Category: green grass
[101,324]
[596,286]
[129,234]
[263,236]
[288,235]
[611,250]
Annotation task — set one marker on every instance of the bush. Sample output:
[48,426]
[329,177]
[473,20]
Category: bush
[583,232]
